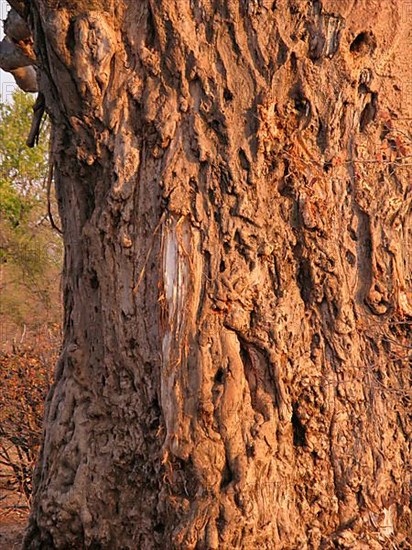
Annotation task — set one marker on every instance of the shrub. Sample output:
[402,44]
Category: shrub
[25,378]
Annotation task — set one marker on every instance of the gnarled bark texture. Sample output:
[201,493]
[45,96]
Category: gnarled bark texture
[233,180]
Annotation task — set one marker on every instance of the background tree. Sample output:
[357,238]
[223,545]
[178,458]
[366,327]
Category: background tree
[233,186]
[30,310]
[30,252]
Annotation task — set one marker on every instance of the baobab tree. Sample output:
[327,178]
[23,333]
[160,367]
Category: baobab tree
[233,181]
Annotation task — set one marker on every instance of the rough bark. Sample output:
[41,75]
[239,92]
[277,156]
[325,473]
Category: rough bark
[233,188]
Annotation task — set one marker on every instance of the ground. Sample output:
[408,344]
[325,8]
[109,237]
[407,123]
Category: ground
[11,531]
[13,514]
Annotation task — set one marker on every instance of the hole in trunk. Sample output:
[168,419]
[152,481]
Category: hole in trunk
[70,36]
[219,376]
[363,44]
[94,281]
[305,281]
[299,430]
[227,95]
[227,476]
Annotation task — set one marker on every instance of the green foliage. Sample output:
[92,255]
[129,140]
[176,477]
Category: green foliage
[10,203]
[30,252]
[19,162]
[23,171]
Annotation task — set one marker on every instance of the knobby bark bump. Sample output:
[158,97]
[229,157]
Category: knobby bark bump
[233,182]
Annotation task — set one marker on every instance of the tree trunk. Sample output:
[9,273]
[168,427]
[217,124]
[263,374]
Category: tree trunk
[233,180]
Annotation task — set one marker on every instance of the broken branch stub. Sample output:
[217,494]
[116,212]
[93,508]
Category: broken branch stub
[15,49]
